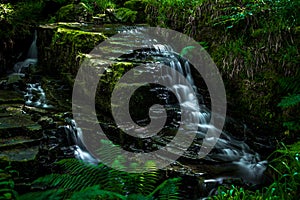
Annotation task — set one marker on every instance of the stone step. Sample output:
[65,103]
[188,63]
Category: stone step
[19,124]
[7,96]
[21,158]
[17,142]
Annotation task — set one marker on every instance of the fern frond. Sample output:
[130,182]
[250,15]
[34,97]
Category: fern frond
[95,192]
[169,189]
[143,183]
[55,194]
[290,101]
[76,175]
[290,85]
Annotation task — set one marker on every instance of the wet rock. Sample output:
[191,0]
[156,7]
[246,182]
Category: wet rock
[73,12]
[47,122]
[19,135]
[7,96]
[64,44]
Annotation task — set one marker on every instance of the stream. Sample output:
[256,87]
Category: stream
[230,159]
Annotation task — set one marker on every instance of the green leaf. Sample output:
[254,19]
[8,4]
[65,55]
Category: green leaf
[290,101]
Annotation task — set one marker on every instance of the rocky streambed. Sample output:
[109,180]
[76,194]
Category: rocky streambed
[35,135]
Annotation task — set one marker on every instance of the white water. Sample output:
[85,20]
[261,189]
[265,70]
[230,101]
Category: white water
[31,59]
[35,96]
[32,52]
[80,151]
[244,163]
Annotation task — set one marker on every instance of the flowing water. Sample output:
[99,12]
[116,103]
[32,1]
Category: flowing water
[31,57]
[35,96]
[233,158]
[230,158]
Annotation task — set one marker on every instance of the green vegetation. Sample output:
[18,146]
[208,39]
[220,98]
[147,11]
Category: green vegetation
[255,44]
[285,165]
[290,103]
[77,180]
[7,184]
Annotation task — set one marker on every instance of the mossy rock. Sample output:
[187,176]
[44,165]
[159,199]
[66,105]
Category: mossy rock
[107,83]
[74,12]
[68,44]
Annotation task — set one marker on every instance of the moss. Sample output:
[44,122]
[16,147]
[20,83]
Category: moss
[108,81]
[67,46]
[73,12]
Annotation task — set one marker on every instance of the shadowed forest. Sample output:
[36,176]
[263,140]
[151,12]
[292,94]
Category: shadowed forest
[43,152]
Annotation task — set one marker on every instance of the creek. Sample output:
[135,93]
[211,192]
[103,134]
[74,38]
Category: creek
[230,159]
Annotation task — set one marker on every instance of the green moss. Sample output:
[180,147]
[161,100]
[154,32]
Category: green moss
[73,12]
[107,84]
[79,39]
[68,46]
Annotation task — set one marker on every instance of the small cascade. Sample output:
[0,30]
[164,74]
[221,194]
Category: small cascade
[32,52]
[239,161]
[66,139]
[31,59]
[64,142]
[19,67]
[80,151]
[35,96]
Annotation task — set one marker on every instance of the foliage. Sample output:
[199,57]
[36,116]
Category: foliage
[99,6]
[15,19]
[126,15]
[6,13]
[254,45]
[286,168]
[28,12]
[74,12]
[290,103]
[77,179]
[7,184]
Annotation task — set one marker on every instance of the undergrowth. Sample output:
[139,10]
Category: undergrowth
[75,179]
[285,165]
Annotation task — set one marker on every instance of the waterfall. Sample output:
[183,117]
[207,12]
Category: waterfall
[32,52]
[35,96]
[31,59]
[236,156]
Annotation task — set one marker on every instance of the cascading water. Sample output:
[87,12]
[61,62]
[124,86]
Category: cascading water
[36,97]
[31,57]
[32,52]
[234,157]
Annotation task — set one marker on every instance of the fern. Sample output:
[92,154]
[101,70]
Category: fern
[54,194]
[168,189]
[292,125]
[95,192]
[78,175]
[7,184]
[290,101]
[100,182]
[290,84]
